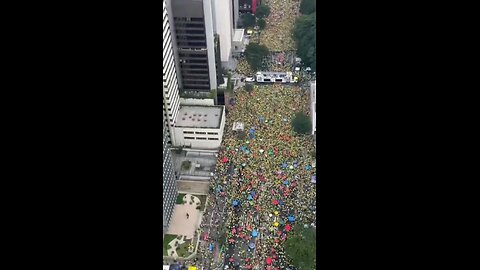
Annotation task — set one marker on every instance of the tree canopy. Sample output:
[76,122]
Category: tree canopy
[262,11]
[301,123]
[248,20]
[300,247]
[306,39]
[255,53]
[261,23]
[308,6]
[249,87]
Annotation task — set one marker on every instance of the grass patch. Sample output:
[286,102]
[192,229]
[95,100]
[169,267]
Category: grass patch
[186,165]
[168,238]
[180,198]
[182,250]
[203,199]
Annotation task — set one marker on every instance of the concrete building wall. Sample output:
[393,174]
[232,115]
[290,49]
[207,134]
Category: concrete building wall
[170,96]
[199,138]
[223,21]
[207,7]
[169,182]
[197,101]
[235,13]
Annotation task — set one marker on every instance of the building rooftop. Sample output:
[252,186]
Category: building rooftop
[238,35]
[202,164]
[199,116]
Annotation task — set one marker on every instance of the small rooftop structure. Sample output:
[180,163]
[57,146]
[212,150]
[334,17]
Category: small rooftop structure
[238,126]
[199,116]
[239,41]
[225,83]
[238,35]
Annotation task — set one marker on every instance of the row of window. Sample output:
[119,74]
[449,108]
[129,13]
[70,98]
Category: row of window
[201,138]
[188,19]
[199,132]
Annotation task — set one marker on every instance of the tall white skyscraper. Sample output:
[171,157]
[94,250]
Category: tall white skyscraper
[223,26]
[193,25]
[171,100]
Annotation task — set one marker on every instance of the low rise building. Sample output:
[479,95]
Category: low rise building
[200,127]
[195,165]
[239,42]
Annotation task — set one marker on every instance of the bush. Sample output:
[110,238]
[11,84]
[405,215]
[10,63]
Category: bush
[249,87]
[262,11]
[301,123]
[308,6]
[255,54]
[186,165]
[306,40]
[180,198]
[300,247]
[177,150]
[262,23]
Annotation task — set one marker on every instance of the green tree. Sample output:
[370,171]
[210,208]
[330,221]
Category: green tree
[261,23]
[262,11]
[306,40]
[308,6]
[186,165]
[249,87]
[248,20]
[300,247]
[301,123]
[255,54]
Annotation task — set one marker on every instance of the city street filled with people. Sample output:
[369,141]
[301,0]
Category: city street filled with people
[265,179]
[277,35]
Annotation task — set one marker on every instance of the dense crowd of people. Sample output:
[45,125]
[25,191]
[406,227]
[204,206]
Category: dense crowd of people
[267,178]
[243,68]
[277,35]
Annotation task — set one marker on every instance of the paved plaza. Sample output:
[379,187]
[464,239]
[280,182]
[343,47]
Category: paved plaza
[180,224]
